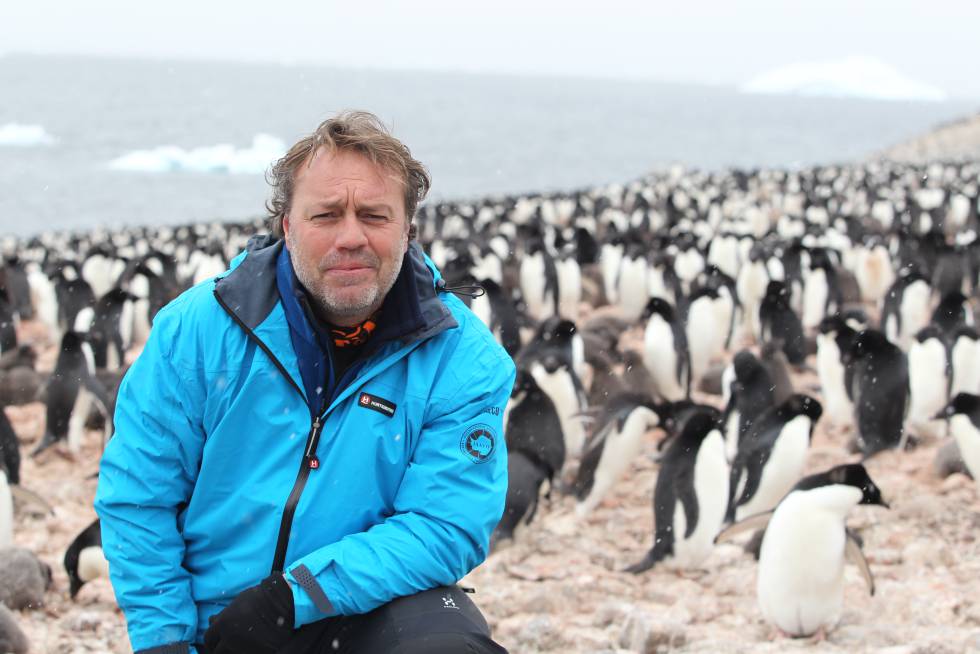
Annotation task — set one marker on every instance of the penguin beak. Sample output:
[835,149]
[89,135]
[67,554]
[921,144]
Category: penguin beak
[885,504]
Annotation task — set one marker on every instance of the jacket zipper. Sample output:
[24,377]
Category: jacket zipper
[309,461]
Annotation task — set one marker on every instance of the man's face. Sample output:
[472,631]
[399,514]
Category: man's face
[346,233]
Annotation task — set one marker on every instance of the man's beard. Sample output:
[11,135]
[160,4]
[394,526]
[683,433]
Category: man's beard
[333,303]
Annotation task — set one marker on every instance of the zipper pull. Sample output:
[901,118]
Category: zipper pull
[312,461]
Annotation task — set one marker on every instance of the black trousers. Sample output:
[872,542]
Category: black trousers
[439,621]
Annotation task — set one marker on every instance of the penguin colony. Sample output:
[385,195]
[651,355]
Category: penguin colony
[678,341]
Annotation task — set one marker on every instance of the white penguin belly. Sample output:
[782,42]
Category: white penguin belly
[6,513]
[660,359]
[801,571]
[830,370]
[711,490]
[620,450]
[701,335]
[968,440]
[561,389]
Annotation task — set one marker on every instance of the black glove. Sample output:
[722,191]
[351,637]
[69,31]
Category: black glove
[258,621]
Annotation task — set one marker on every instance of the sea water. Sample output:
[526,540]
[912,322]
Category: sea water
[90,142]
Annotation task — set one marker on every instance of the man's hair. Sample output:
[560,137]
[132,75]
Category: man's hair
[358,131]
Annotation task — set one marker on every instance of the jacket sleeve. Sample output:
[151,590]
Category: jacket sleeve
[449,501]
[146,475]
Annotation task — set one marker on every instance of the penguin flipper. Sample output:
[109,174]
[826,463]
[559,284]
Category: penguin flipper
[26,496]
[752,523]
[853,553]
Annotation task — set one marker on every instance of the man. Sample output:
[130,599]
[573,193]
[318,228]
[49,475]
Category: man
[309,450]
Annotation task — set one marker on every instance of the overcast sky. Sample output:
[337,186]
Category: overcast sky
[701,41]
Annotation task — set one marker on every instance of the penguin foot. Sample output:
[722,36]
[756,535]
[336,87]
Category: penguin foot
[818,637]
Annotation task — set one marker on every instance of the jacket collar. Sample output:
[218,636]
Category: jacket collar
[412,309]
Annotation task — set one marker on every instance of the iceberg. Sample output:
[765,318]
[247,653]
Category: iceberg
[222,158]
[852,77]
[18,135]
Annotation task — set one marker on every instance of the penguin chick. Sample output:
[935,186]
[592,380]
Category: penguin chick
[23,579]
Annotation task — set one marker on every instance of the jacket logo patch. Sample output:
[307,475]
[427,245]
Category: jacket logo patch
[478,443]
[375,403]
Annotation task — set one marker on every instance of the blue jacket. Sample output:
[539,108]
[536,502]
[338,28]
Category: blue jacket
[221,471]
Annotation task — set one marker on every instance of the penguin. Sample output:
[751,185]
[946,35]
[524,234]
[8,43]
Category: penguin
[820,293]
[964,359]
[8,323]
[772,357]
[751,394]
[535,451]
[877,378]
[111,333]
[665,351]
[772,456]
[751,284]
[952,313]
[556,359]
[928,383]
[500,314]
[6,509]
[702,329]
[12,639]
[539,281]
[874,272]
[71,390]
[689,498]
[84,560]
[778,321]
[631,291]
[834,339]
[617,442]
[569,286]
[636,377]
[800,584]
[963,413]
[23,579]
[906,308]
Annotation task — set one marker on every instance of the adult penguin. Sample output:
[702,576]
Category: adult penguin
[71,391]
[779,321]
[952,313]
[556,360]
[772,456]
[906,308]
[963,413]
[84,560]
[834,340]
[665,351]
[751,394]
[689,498]
[877,379]
[928,382]
[535,452]
[617,442]
[800,585]
[964,358]
[702,330]
[539,281]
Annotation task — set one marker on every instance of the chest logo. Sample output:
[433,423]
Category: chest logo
[478,443]
[375,403]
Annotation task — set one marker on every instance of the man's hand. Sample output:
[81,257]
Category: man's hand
[258,621]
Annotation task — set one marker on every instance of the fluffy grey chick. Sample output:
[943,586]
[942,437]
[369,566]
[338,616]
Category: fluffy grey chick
[23,579]
[12,639]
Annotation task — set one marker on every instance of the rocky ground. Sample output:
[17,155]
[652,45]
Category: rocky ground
[956,140]
[559,588]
